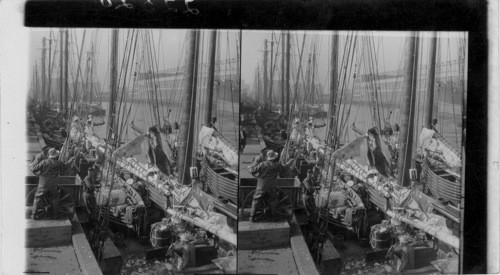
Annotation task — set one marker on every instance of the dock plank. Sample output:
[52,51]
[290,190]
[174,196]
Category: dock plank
[268,261]
[52,260]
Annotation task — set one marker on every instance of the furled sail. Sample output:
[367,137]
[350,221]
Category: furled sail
[436,147]
[218,146]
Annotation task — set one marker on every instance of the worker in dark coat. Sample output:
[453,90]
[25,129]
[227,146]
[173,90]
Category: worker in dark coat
[49,171]
[243,139]
[308,188]
[213,123]
[266,172]
[90,182]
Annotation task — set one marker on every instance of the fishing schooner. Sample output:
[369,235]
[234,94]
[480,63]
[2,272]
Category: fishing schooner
[150,174]
[380,175]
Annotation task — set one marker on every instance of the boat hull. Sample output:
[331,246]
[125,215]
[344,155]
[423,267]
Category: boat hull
[220,182]
[441,184]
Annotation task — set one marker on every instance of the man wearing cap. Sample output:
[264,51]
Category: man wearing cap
[49,171]
[266,172]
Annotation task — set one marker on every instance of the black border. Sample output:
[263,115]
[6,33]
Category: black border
[397,15]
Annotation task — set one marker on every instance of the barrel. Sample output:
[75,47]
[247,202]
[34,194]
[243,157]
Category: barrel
[379,240]
[160,237]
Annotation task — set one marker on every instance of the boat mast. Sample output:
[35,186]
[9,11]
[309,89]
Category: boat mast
[283,72]
[332,132]
[43,70]
[92,61]
[113,89]
[186,129]
[258,94]
[266,103]
[86,82]
[49,68]
[287,73]
[61,92]
[307,84]
[431,79]
[372,78]
[211,75]
[312,90]
[66,63]
[35,76]
[408,111]
[78,70]
[271,74]
[296,87]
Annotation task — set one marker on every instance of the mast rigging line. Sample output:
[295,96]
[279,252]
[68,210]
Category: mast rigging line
[294,101]
[353,79]
[350,54]
[122,78]
[129,64]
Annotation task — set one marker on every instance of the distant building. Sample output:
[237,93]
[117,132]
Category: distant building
[449,87]
[169,84]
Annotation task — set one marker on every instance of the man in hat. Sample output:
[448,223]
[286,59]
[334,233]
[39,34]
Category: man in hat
[266,173]
[260,158]
[308,188]
[41,156]
[49,171]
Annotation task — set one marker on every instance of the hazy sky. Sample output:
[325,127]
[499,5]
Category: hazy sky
[389,47]
[170,47]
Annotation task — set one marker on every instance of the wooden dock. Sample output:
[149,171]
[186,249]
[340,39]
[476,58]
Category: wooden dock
[252,149]
[264,248]
[55,246]
[58,247]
